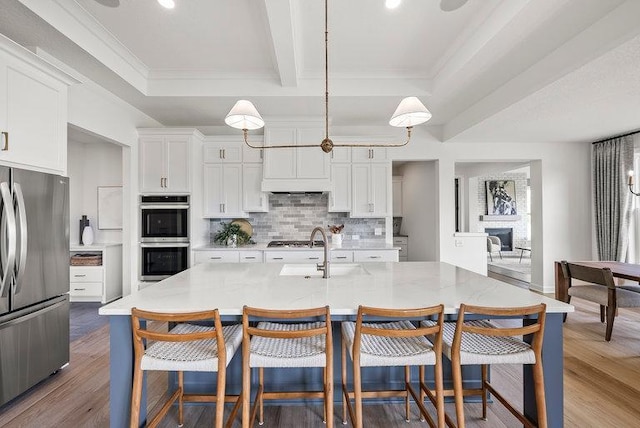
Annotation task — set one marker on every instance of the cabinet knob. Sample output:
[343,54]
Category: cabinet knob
[5,137]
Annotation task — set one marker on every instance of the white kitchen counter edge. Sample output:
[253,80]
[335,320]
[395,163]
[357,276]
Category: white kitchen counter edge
[263,247]
[229,286]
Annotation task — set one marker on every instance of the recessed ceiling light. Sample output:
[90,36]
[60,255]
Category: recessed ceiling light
[169,4]
[392,4]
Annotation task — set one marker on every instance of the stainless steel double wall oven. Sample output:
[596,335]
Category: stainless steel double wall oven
[164,236]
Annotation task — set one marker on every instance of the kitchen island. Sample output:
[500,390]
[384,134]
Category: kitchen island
[392,285]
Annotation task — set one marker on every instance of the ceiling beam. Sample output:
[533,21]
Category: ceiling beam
[541,52]
[280,25]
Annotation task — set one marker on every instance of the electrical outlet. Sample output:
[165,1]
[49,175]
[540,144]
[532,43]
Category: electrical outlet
[377,231]
[355,237]
[458,243]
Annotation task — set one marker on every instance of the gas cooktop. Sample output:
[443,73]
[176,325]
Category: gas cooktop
[295,244]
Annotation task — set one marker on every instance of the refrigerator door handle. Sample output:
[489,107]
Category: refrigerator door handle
[8,238]
[22,217]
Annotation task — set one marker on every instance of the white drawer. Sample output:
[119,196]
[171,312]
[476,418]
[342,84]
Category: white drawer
[214,256]
[86,289]
[375,256]
[86,274]
[401,240]
[293,256]
[251,256]
[341,256]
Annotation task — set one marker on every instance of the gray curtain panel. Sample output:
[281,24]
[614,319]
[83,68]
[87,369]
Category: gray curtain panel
[612,159]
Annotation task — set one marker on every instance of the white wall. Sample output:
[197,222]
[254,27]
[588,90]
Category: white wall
[92,165]
[419,209]
[560,192]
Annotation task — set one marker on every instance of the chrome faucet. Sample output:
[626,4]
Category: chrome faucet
[324,267]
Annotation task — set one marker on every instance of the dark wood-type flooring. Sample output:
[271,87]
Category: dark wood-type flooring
[602,385]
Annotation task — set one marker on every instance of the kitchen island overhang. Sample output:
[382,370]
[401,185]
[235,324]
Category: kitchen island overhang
[391,285]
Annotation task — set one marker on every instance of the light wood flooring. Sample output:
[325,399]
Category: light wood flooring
[602,386]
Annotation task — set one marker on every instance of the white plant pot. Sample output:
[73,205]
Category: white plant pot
[336,240]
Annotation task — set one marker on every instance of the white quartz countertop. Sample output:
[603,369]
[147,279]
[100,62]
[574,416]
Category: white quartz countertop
[229,286]
[93,247]
[350,245]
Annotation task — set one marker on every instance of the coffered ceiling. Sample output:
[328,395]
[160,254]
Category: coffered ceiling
[491,70]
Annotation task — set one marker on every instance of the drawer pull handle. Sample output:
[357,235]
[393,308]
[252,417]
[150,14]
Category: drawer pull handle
[341,257]
[250,258]
[79,276]
[79,289]
[277,258]
[374,257]
[314,258]
[216,258]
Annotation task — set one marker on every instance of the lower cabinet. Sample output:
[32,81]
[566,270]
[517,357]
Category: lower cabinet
[363,256]
[403,243]
[293,256]
[227,256]
[96,283]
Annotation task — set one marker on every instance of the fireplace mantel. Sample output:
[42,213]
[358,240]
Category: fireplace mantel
[500,218]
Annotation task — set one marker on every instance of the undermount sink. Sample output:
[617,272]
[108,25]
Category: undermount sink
[340,269]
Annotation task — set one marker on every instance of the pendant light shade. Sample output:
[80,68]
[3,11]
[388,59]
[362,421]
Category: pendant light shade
[410,112]
[244,115]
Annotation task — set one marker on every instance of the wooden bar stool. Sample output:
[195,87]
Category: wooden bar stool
[395,343]
[186,347]
[481,342]
[285,344]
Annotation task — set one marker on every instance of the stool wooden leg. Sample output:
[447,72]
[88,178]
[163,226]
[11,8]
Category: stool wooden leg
[407,379]
[181,399]
[220,398]
[611,316]
[357,389]
[136,395]
[458,392]
[344,382]
[437,374]
[602,313]
[422,393]
[541,405]
[261,399]
[328,395]
[484,392]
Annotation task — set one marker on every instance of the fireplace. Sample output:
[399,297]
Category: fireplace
[505,234]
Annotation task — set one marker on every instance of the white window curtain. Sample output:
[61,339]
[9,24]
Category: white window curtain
[633,252]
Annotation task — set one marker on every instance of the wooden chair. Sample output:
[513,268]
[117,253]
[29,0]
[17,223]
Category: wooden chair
[397,342]
[601,290]
[186,347]
[285,345]
[480,342]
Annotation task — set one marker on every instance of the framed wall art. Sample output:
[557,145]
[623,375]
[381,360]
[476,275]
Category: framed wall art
[501,197]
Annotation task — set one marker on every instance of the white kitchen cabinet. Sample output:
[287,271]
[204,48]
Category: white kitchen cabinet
[341,256]
[164,163]
[396,190]
[222,190]
[251,256]
[340,155]
[253,198]
[403,243]
[97,283]
[215,152]
[364,256]
[368,154]
[371,188]
[33,110]
[302,256]
[340,195]
[250,155]
[292,169]
[216,256]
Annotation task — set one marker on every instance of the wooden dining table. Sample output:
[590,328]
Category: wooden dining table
[630,271]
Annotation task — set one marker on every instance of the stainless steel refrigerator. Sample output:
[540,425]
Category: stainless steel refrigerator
[34,278]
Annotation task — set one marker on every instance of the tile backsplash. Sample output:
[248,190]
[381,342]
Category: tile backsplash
[293,217]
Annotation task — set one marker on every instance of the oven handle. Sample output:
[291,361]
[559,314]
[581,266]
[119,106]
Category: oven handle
[164,245]
[164,206]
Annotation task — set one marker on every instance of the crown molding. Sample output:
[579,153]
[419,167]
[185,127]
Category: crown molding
[82,28]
